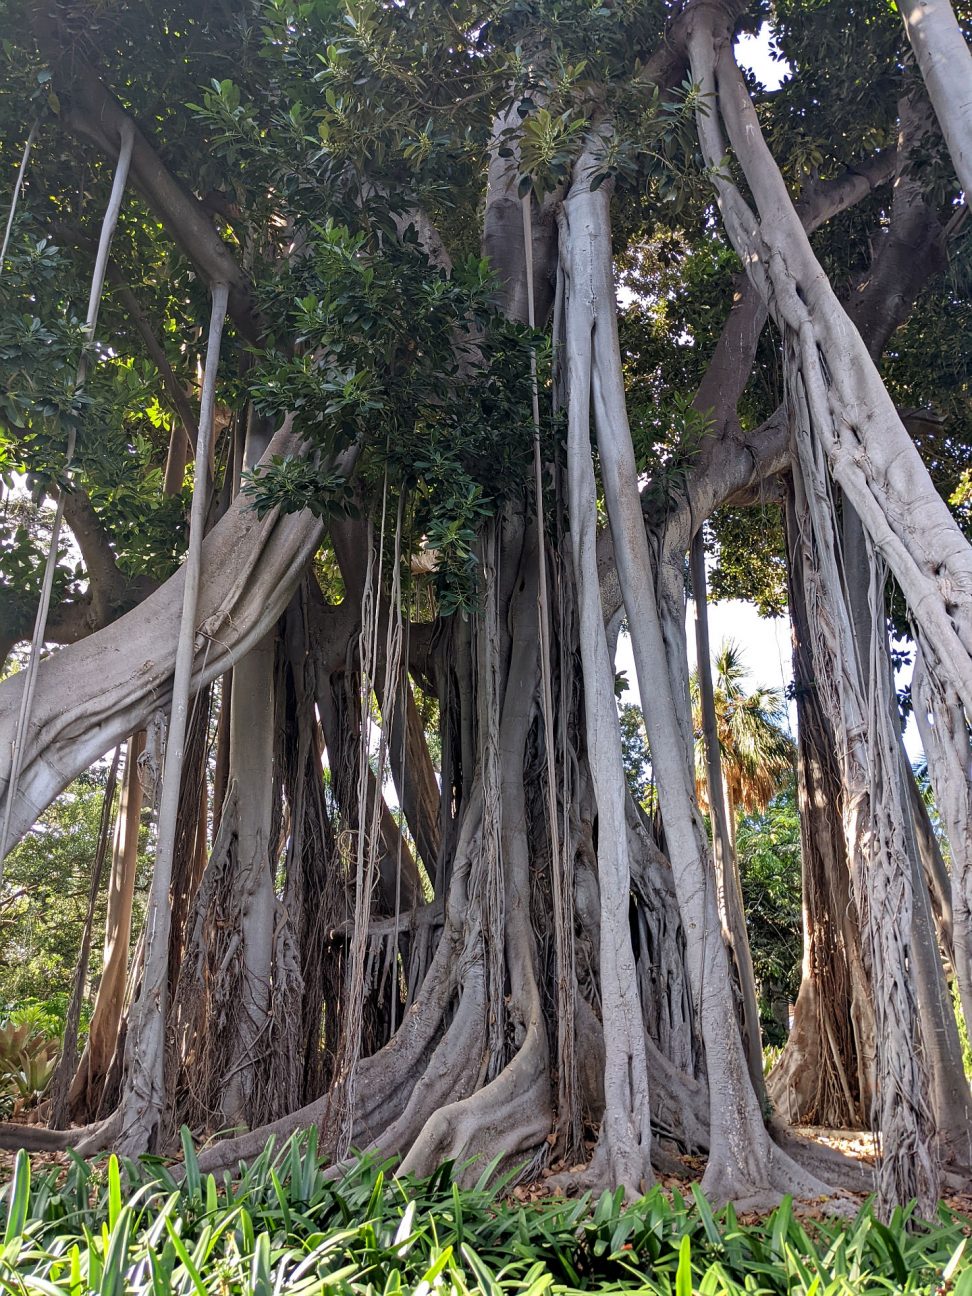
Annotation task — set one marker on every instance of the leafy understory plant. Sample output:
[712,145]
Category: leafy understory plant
[27,1060]
[289,1223]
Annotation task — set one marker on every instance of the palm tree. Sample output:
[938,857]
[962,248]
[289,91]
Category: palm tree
[756,751]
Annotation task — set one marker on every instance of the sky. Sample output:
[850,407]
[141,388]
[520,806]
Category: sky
[753,53]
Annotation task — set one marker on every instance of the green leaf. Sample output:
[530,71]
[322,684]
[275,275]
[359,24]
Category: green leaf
[18,1198]
[683,1274]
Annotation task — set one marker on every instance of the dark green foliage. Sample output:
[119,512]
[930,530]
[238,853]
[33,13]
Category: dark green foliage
[287,1224]
[768,847]
[750,557]
[417,368]
[46,882]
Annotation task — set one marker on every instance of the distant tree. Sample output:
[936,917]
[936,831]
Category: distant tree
[757,752]
[768,851]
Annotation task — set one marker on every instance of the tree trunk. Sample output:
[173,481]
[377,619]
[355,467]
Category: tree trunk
[743,1164]
[875,827]
[252,777]
[825,1075]
[722,815]
[251,769]
[625,1143]
[939,1035]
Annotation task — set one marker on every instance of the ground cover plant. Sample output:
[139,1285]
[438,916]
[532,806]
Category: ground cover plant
[287,1223]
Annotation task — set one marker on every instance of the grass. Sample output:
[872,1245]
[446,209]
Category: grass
[283,1226]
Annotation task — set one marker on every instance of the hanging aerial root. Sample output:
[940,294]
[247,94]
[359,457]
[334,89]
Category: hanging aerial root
[143,1095]
[561,890]
[14,199]
[7,837]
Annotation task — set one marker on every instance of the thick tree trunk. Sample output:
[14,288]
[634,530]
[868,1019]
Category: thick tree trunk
[251,772]
[625,1142]
[839,408]
[743,1163]
[826,1074]
[252,778]
[855,694]
[942,1051]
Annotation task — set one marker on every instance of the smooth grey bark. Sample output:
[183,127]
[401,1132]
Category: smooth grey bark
[625,1140]
[251,770]
[869,451]
[90,697]
[743,1164]
[840,408]
[945,61]
[252,783]
[723,829]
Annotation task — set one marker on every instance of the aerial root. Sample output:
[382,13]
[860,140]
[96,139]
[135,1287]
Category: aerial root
[827,1163]
[510,1115]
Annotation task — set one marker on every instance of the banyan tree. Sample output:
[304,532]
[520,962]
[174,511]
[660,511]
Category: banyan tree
[342,484]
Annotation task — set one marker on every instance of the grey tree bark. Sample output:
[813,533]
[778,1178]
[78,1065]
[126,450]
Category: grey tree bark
[723,830]
[138,1115]
[743,1163]
[945,61]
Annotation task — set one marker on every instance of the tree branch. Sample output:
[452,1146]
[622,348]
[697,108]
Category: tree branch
[181,405]
[91,110]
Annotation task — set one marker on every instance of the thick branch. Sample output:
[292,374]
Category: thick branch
[110,587]
[95,694]
[91,110]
